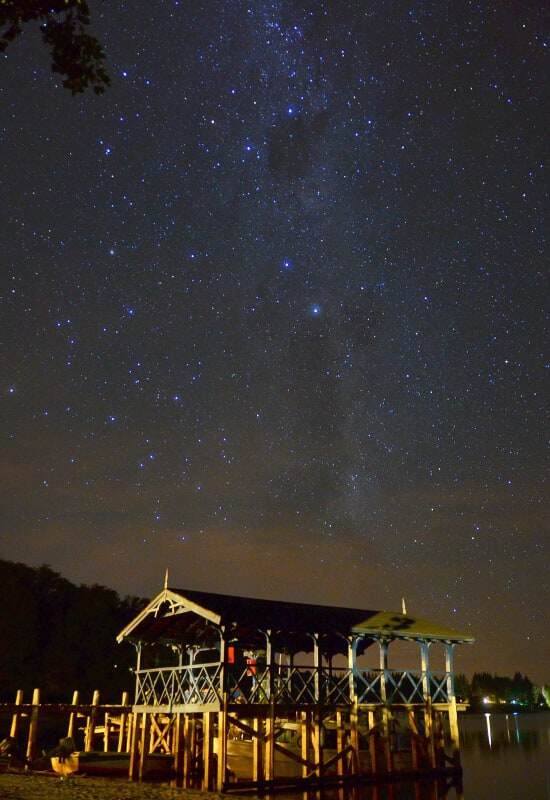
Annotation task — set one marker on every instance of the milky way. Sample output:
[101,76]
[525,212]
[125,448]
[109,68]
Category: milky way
[272,309]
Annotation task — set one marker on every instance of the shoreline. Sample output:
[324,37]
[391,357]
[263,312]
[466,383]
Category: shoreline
[31,786]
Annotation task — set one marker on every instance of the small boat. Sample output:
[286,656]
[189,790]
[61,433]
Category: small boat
[113,764]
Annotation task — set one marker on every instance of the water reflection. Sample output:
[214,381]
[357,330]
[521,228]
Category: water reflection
[410,790]
[504,756]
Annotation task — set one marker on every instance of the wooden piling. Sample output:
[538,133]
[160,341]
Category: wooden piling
[91,723]
[123,722]
[33,726]
[15,717]
[144,744]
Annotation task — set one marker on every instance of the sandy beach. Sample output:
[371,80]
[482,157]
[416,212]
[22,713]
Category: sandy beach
[15,786]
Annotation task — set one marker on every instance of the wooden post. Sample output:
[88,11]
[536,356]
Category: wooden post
[354,737]
[305,732]
[133,773]
[257,747]
[129,724]
[72,716]
[144,744]
[15,718]
[453,715]
[426,691]
[414,739]
[123,722]
[189,744]
[269,751]
[90,724]
[354,712]
[33,725]
[222,718]
[207,751]
[318,741]
[178,749]
[317,668]
[222,745]
[106,730]
[340,742]
[385,710]
[373,736]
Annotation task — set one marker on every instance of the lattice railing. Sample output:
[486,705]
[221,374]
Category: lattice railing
[199,684]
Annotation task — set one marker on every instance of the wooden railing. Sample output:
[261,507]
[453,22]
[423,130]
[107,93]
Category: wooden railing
[200,684]
[92,725]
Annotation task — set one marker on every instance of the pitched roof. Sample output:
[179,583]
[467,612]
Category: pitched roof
[167,618]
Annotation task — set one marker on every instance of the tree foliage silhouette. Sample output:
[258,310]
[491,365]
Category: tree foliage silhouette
[75,53]
[61,637]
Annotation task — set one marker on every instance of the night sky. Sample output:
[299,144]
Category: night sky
[272,309]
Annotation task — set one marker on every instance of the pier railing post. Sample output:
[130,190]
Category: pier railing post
[15,718]
[426,691]
[33,725]
[384,644]
[451,699]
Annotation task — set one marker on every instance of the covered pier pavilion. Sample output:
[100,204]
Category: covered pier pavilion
[225,681]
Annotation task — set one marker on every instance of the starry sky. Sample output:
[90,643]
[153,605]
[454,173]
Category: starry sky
[272,309]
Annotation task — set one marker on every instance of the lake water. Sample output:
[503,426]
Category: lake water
[504,757]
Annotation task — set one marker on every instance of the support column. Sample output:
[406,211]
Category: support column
[257,747]
[426,691]
[207,750]
[453,714]
[340,742]
[133,773]
[178,750]
[305,733]
[386,716]
[373,736]
[353,642]
[222,745]
[188,749]
[33,725]
[269,753]
[222,718]
[415,762]
[144,744]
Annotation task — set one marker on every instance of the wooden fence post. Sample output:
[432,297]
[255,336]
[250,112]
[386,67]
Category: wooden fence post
[15,718]
[33,725]
[90,723]
[72,716]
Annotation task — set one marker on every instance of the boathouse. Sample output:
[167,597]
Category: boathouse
[224,681]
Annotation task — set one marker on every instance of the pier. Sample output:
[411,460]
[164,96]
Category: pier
[226,684]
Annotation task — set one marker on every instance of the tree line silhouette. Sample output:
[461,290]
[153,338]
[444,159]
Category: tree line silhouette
[60,637]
